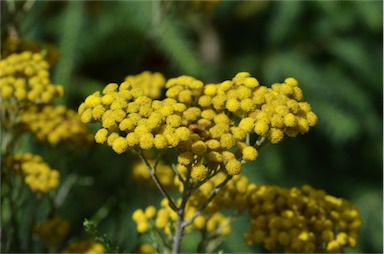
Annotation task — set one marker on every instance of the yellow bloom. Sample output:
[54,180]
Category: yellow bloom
[199,147]
[233,167]
[247,124]
[120,145]
[183,133]
[160,141]
[275,135]
[146,141]
[199,173]
[249,153]
[227,141]
[233,105]
[261,128]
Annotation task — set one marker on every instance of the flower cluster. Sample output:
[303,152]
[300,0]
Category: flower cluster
[56,125]
[301,220]
[25,78]
[37,173]
[53,231]
[208,125]
[165,218]
[211,221]
[88,246]
[294,220]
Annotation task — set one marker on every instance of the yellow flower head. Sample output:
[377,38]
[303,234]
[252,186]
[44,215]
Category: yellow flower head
[37,173]
[199,173]
[233,167]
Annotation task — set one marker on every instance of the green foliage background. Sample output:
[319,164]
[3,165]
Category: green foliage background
[334,49]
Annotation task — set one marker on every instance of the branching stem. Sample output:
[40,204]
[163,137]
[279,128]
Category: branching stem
[205,204]
[156,180]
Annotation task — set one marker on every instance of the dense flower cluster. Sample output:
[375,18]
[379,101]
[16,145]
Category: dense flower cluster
[204,123]
[56,125]
[294,220]
[37,173]
[88,246]
[53,231]
[24,78]
[301,220]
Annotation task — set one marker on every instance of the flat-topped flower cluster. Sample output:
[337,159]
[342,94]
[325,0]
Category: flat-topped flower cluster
[210,126]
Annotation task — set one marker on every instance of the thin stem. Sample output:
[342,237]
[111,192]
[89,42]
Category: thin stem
[180,216]
[205,204]
[248,139]
[174,168]
[162,152]
[260,141]
[157,182]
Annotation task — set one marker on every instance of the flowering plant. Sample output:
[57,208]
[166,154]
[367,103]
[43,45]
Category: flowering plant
[208,150]
[205,133]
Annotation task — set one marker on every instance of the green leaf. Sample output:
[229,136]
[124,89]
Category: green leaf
[71,26]
[284,21]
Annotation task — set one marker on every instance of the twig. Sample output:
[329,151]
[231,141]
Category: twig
[156,180]
[174,168]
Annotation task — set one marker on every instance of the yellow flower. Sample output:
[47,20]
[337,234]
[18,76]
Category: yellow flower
[261,128]
[146,141]
[275,135]
[160,141]
[227,141]
[146,248]
[233,167]
[199,147]
[251,82]
[199,222]
[233,105]
[247,124]
[183,133]
[120,145]
[199,173]
[290,120]
[249,153]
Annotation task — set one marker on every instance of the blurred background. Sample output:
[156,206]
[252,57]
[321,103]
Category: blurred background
[333,48]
